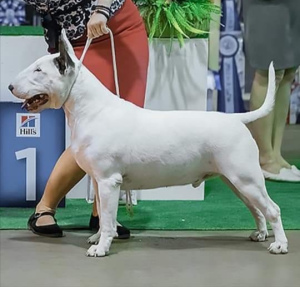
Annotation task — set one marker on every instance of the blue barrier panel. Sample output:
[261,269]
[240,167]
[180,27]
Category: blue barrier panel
[30,145]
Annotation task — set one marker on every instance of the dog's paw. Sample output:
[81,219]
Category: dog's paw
[278,248]
[96,251]
[259,236]
[94,239]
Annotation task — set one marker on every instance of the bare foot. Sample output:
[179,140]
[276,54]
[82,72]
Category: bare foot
[282,162]
[272,167]
[45,220]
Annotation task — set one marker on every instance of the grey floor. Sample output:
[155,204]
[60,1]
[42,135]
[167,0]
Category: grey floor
[149,258]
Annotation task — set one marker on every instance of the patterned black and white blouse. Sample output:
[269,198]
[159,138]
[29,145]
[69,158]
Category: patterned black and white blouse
[72,15]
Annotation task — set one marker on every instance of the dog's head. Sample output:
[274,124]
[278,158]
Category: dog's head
[47,82]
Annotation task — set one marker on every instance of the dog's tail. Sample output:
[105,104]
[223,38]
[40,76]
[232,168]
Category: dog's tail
[268,104]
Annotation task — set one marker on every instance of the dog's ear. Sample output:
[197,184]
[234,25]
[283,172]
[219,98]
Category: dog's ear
[66,52]
[65,41]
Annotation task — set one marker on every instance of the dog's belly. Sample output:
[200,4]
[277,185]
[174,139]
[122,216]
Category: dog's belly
[144,173]
[148,176]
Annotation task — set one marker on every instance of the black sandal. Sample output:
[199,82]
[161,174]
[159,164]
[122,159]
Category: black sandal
[52,230]
[123,232]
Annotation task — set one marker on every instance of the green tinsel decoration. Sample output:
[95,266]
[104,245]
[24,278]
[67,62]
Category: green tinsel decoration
[177,18]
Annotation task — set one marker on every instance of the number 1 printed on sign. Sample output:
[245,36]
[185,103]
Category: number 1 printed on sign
[30,155]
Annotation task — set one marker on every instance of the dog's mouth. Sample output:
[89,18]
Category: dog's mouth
[35,102]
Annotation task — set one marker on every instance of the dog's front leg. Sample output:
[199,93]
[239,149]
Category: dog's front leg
[108,191]
[94,239]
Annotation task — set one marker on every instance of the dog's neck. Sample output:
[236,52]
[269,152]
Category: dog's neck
[88,95]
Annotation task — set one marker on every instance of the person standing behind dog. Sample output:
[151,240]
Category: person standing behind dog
[82,19]
[272,33]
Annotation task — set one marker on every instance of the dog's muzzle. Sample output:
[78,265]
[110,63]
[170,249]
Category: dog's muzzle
[35,102]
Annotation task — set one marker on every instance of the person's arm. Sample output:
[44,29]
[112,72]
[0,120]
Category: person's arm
[106,3]
[96,26]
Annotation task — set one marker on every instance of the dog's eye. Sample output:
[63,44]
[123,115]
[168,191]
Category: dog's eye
[38,70]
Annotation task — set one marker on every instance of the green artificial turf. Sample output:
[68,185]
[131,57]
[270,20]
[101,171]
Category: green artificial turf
[221,210]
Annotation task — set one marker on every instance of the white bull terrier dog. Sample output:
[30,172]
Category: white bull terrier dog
[122,146]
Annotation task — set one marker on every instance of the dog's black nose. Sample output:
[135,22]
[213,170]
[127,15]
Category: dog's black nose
[11,87]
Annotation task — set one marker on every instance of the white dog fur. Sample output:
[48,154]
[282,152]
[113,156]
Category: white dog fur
[122,146]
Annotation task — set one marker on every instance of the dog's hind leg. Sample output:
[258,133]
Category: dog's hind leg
[108,191]
[249,181]
[240,165]
[262,232]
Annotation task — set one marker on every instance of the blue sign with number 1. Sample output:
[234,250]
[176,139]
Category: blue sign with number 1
[30,145]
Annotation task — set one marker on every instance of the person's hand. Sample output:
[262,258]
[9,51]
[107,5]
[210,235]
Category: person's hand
[96,26]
